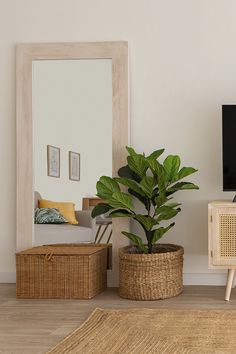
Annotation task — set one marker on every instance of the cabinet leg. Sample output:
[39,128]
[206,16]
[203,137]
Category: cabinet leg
[230,279]
[233,284]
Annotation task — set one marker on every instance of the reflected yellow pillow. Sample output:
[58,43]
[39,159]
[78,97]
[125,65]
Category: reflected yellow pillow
[67,209]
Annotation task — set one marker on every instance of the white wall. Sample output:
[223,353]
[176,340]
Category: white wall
[182,69]
[72,109]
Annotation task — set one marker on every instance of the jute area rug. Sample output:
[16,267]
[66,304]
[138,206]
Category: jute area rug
[146,331]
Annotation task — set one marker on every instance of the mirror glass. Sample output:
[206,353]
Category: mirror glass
[72,129]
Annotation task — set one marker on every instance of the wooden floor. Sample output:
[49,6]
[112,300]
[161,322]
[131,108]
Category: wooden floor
[34,326]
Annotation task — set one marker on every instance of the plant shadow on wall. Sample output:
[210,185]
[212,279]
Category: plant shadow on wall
[144,267]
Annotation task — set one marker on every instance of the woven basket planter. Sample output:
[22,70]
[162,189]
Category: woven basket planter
[151,276]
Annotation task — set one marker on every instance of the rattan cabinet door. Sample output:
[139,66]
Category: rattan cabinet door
[223,235]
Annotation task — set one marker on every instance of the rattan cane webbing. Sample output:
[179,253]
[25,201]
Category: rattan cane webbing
[227,229]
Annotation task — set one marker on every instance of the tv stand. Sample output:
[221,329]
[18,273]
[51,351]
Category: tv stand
[222,239]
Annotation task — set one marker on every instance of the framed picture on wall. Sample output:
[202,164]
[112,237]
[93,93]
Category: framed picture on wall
[53,161]
[74,166]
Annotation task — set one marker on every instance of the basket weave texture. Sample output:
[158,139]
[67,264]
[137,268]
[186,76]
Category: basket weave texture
[151,276]
[63,272]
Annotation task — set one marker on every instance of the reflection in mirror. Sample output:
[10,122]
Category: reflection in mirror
[72,123]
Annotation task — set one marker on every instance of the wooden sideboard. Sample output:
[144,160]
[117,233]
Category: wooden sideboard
[89,202]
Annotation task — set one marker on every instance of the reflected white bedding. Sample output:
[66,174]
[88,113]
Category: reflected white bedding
[52,234]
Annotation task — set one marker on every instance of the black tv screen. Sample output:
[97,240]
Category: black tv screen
[229,147]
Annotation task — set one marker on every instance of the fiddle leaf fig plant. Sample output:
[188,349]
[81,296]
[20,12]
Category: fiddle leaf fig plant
[152,183]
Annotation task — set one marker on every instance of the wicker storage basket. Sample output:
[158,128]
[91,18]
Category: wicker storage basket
[151,276]
[63,272]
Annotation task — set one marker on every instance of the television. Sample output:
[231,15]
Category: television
[229,147]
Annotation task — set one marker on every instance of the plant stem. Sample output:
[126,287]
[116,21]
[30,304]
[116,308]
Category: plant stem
[149,239]
[149,247]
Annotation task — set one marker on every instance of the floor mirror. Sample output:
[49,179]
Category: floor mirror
[72,128]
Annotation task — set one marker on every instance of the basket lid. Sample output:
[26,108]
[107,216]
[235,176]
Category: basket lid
[65,249]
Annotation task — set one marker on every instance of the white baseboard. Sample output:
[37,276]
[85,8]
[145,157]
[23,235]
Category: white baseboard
[204,279]
[209,278]
[189,278]
[7,277]
[193,279]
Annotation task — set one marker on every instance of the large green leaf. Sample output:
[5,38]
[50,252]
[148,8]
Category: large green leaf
[181,186]
[138,164]
[184,172]
[173,205]
[153,164]
[121,200]
[106,186]
[155,154]
[159,174]
[126,172]
[121,213]
[100,209]
[131,184]
[144,200]
[171,166]
[166,208]
[160,232]
[160,200]
[147,184]
[166,213]
[131,151]
[136,240]
[146,221]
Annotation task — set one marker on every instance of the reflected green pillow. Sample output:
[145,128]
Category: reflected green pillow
[48,216]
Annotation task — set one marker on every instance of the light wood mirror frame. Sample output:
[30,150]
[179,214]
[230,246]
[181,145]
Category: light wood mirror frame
[25,54]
